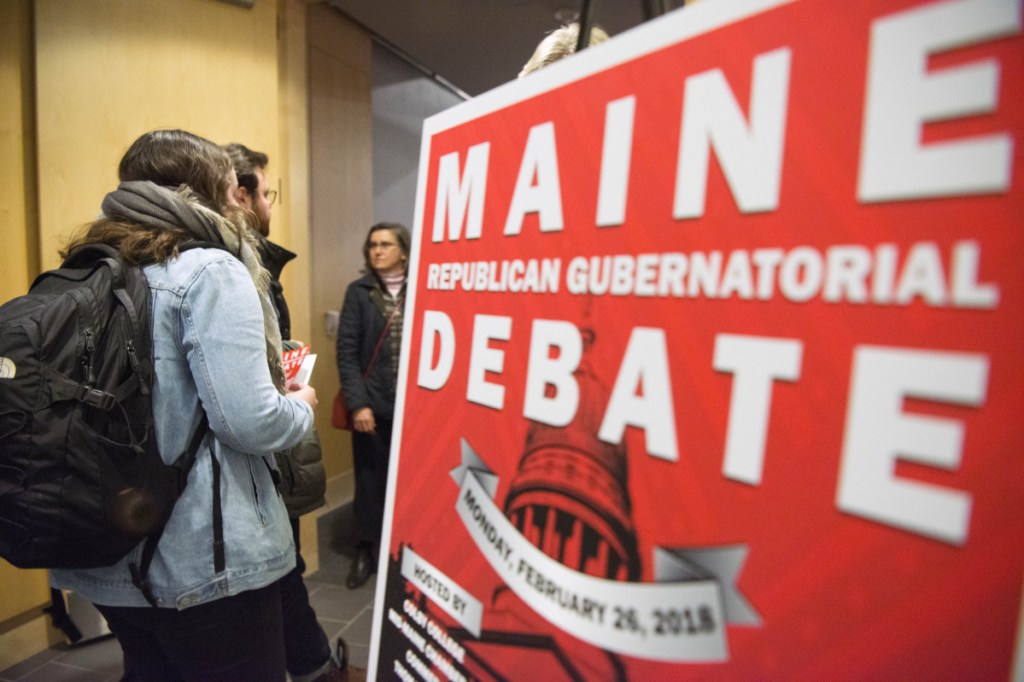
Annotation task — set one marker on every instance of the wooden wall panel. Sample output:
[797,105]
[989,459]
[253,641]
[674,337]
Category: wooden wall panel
[21,591]
[341,191]
[109,71]
[17,149]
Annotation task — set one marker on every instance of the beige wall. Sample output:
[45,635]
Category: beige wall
[22,591]
[341,181]
[109,71]
[19,255]
[82,80]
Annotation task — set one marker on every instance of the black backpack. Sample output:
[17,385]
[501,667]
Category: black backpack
[81,479]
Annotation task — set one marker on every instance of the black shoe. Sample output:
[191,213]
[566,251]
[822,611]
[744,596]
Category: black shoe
[339,660]
[340,656]
[362,567]
[337,667]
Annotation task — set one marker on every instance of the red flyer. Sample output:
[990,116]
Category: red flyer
[292,361]
[712,359]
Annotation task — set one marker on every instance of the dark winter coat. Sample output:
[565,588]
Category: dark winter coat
[274,259]
[359,329]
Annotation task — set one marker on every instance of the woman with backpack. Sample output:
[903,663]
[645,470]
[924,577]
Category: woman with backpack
[217,359]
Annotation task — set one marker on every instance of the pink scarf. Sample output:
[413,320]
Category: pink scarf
[393,280]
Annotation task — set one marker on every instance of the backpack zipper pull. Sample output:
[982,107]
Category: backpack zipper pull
[133,358]
[90,347]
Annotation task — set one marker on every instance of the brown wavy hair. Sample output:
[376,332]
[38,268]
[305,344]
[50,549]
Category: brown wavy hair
[172,158]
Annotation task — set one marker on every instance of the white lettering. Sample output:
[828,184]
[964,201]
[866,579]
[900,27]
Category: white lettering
[483,359]
[615,162]
[755,363]
[967,292]
[645,366]
[879,433]
[457,197]
[436,325]
[751,157]
[540,161]
[557,372]
[903,94]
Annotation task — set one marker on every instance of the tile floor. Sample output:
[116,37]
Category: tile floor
[341,611]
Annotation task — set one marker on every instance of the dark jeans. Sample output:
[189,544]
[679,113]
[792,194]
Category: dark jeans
[370,452]
[305,643]
[229,639]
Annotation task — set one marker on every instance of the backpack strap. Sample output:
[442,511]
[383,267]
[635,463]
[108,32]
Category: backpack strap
[218,519]
[136,333]
[184,464]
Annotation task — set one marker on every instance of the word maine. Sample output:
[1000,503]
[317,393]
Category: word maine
[896,162]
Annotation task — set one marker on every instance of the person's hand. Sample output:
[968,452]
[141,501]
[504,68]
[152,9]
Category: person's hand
[363,421]
[303,392]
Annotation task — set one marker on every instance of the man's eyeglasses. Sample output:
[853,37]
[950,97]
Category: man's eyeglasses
[271,196]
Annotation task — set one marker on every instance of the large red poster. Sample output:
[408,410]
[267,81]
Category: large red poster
[712,364]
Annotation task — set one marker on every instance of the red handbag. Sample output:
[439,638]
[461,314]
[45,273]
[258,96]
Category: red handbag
[341,417]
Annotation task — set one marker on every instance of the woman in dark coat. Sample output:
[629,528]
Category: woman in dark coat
[369,338]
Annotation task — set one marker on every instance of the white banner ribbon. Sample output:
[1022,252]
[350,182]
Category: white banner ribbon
[442,590]
[683,620]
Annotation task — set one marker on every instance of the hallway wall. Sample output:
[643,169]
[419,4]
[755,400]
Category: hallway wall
[403,98]
[341,192]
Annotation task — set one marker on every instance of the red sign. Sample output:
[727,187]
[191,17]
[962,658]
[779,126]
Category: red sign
[713,357]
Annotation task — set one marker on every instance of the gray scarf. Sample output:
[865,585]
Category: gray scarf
[147,203]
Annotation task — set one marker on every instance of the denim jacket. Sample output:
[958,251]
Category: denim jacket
[209,352]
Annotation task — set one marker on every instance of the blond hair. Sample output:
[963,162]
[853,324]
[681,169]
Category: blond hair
[558,44]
